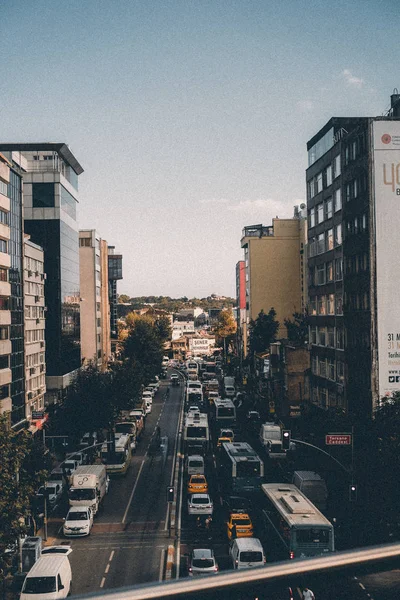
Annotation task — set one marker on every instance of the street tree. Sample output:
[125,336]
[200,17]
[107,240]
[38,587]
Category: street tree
[225,328]
[297,328]
[143,348]
[263,331]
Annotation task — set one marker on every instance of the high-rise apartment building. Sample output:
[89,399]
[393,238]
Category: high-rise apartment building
[95,320]
[114,274]
[50,174]
[35,313]
[6,404]
[353,185]
[273,269]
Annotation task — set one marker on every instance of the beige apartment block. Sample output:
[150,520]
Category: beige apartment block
[274,267]
[35,313]
[5,288]
[95,306]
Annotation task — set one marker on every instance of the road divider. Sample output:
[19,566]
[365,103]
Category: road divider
[170,562]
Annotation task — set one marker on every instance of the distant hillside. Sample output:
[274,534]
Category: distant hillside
[176,304]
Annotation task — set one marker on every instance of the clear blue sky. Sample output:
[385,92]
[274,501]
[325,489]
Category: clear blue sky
[190,118]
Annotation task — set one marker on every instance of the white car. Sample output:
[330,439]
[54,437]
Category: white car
[53,491]
[202,562]
[149,406]
[149,390]
[78,521]
[154,385]
[200,504]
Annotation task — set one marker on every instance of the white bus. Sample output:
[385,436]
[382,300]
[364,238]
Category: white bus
[223,412]
[240,468]
[196,432]
[120,460]
[301,529]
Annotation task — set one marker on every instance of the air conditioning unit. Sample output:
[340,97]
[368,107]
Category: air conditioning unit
[37,298]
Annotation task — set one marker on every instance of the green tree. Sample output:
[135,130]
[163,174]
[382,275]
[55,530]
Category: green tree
[23,470]
[225,328]
[263,331]
[297,329]
[143,348]
[122,298]
[163,328]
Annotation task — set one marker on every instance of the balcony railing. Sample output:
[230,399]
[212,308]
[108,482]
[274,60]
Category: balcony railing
[258,231]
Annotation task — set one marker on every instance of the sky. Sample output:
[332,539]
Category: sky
[190,117]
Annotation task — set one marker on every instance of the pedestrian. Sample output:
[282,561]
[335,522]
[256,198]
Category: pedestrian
[234,533]
[308,594]
[207,524]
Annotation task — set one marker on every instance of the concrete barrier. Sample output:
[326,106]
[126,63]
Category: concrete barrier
[170,562]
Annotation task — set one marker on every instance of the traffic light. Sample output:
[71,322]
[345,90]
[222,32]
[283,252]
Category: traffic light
[286,439]
[353,493]
[170,494]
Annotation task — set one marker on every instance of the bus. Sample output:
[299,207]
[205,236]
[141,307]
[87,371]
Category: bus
[240,467]
[223,412]
[192,369]
[301,529]
[196,431]
[120,460]
[209,371]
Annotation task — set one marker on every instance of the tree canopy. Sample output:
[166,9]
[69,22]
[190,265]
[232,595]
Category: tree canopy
[297,329]
[263,331]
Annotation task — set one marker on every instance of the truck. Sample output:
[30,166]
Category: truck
[271,440]
[313,486]
[89,485]
[229,387]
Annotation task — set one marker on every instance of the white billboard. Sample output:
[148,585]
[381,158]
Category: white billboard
[386,140]
[201,345]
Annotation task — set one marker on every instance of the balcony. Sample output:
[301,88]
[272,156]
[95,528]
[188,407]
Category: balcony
[256,231]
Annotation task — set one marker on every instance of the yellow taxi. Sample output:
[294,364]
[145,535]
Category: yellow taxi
[239,525]
[197,485]
[225,435]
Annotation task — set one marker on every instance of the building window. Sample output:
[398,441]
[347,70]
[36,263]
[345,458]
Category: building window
[338,200]
[313,306]
[322,336]
[336,166]
[339,338]
[313,334]
[355,188]
[322,367]
[320,275]
[323,397]
[328,208]
[68,203]
[4,391]
[331,370]
[87,242]
[329,271]
[329,175]
[4,217]
[4,361]
[3,274]
[43,195]
[314,365]
[320,243]
[340,371]
[339,269]
[4,303]
[339,304]
[312,217]
[320,212]
[4,332]
[331,304]
[322,305]
[3,246]
[338,234]
[364,222]
[331,337]
[319,183]
[3,188]
[329,239]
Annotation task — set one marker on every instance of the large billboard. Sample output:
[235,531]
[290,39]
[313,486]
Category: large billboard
[201,345]
[386,140]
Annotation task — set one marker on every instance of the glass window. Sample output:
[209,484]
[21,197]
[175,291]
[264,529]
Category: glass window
[340,371]
[313,334]
[4,332]
[4,217]
[4,303]
[329,175]
[3,246]
[322,305]
[329,271]
[320,147]
[336,166]
[329,239]
[322,367]
[355,188]
[340,338]
[322,336]
[320,274]
[364,222]
[313,306]
[331,304]
[320,243]
[338,200]
[339,269]
[319,182]
[311,188]
[331,370]
[43,195]
[314,365]
[328,208]
[3,188]
[320,212]
[338,234]
[339,304]
[312,217]
[68,203]
[331,337]
[3,274]
[348,192]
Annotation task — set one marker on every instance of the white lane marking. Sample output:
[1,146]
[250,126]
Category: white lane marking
[111,555]
[178,545]
[299,593]
[102,582]
[161,571]
[107,569]
[133,491]
[361,585]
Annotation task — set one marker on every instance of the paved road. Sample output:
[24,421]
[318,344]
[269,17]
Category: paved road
[129,538]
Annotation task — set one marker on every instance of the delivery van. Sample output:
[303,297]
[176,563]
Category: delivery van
[50,578]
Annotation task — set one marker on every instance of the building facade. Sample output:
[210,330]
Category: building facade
[35,313]
[6,404]
[114,274]
[273,277]
[105,305]
[241,331]
[50,176]
[351,194]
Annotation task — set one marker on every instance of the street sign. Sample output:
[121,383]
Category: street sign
[338,439]
[37,415]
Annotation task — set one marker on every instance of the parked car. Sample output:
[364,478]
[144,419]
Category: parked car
[70,465]
[58,476]
[200,504]
[78,521]
[202,562]
[88,439]
[197,485]
[80,457]
[53,491]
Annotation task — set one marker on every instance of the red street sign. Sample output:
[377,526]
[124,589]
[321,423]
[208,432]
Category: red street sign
[338,439]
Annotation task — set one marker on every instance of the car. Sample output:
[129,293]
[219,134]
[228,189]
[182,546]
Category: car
[57,475]
[175,379]
[200,504]
[148,390]
[52,490]
[149,406]
[78,521]
[225,435]
[242,523]
[237,504]
[202,562]
[79,457]
[197,484]
[70,465]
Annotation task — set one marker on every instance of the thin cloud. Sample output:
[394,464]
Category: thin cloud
[305,105]
[265,204]
[214,201]
[352,80]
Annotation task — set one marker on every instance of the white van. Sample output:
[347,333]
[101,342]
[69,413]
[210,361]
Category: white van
[195,465]
[246,553]
[50,578]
